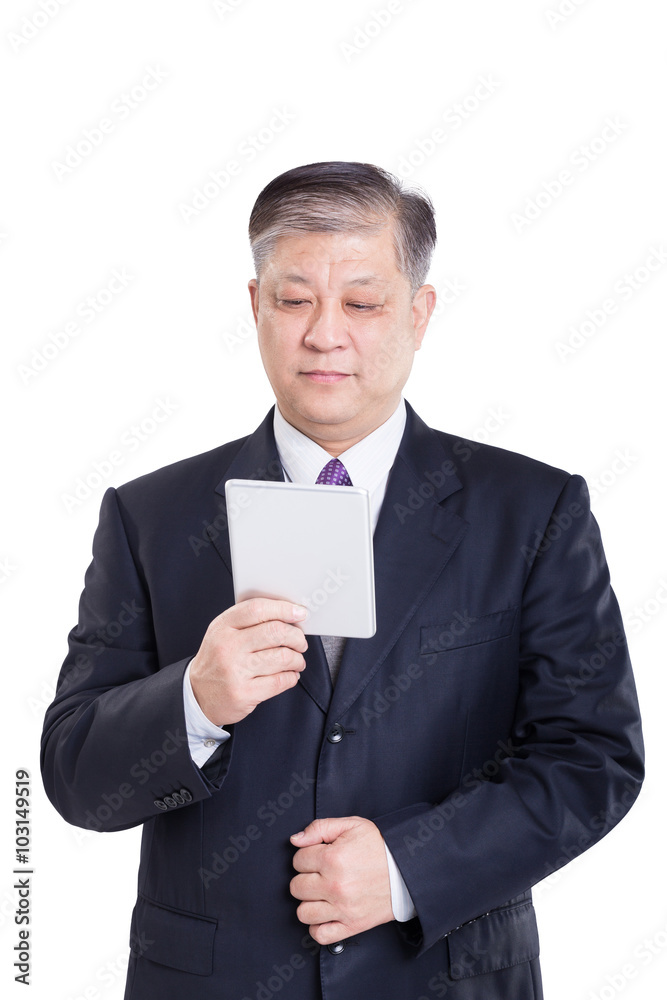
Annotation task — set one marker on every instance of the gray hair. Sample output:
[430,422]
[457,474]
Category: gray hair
[338,196]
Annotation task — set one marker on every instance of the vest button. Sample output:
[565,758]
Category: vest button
[336,948]
[336,733]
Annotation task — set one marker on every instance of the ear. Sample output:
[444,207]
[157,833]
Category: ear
[253,288]
[423,305]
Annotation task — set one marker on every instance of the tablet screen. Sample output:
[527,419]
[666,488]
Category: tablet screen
[309,544]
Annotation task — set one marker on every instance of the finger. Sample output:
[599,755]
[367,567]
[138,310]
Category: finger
[272,685]
[273,661]
[308,888]
[329,933]
[310,859]
[323,831]
[273,634]
[263,609]
[315,913]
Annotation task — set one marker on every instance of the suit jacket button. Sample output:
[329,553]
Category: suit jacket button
[160,804]
[168,801]
[187,797]
[335,735]
[178,798]
[336,948]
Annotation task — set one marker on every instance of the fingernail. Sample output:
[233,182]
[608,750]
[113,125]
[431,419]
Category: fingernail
[297,836]
[299,613]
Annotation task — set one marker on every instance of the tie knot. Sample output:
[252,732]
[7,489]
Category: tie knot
[334,473]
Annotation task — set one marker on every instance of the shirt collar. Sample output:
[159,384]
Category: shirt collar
[367,462]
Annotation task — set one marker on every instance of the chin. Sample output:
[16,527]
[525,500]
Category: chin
[332,413]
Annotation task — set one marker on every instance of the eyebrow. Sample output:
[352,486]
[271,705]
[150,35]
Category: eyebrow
[366,279]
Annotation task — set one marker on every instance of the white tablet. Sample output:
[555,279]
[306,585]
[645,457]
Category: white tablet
[312,545]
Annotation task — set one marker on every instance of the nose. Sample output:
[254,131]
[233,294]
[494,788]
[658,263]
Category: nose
[328,328]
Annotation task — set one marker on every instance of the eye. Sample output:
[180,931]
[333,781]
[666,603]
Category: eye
[363,306]
[292,302]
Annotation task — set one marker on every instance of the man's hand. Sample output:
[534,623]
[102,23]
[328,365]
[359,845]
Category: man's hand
[250,653]
[344,880]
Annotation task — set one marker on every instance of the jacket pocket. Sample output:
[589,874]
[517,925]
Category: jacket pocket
[171,937]
[498,940]
[466,630]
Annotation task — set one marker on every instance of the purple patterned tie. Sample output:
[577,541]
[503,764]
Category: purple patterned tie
[334,473]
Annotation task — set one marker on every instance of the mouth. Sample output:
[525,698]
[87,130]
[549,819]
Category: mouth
[318,375]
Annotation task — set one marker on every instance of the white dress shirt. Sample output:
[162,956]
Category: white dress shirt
[368,464]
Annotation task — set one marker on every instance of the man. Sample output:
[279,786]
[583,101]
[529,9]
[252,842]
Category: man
[360,818]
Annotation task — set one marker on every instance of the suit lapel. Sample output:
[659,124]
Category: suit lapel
[258,459]
[414,539]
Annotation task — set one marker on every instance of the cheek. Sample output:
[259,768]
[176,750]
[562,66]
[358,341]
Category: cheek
[269,339]
[278,350]
[388,358]
[279,339]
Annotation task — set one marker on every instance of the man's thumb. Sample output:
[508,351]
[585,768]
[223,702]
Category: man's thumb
[320,831]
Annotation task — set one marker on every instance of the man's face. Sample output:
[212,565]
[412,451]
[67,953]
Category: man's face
[338,328]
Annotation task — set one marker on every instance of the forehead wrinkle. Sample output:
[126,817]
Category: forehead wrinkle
[362,280]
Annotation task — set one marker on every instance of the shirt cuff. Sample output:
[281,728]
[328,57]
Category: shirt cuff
[401,901]
[204,736]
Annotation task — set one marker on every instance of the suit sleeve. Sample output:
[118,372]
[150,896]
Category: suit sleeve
[114,746]
[574,763]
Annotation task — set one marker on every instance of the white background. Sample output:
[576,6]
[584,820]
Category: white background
[490,367]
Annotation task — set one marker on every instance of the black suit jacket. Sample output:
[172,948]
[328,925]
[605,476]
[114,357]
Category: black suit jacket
[490,728]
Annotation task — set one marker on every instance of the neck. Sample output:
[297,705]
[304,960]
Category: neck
[329,437]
